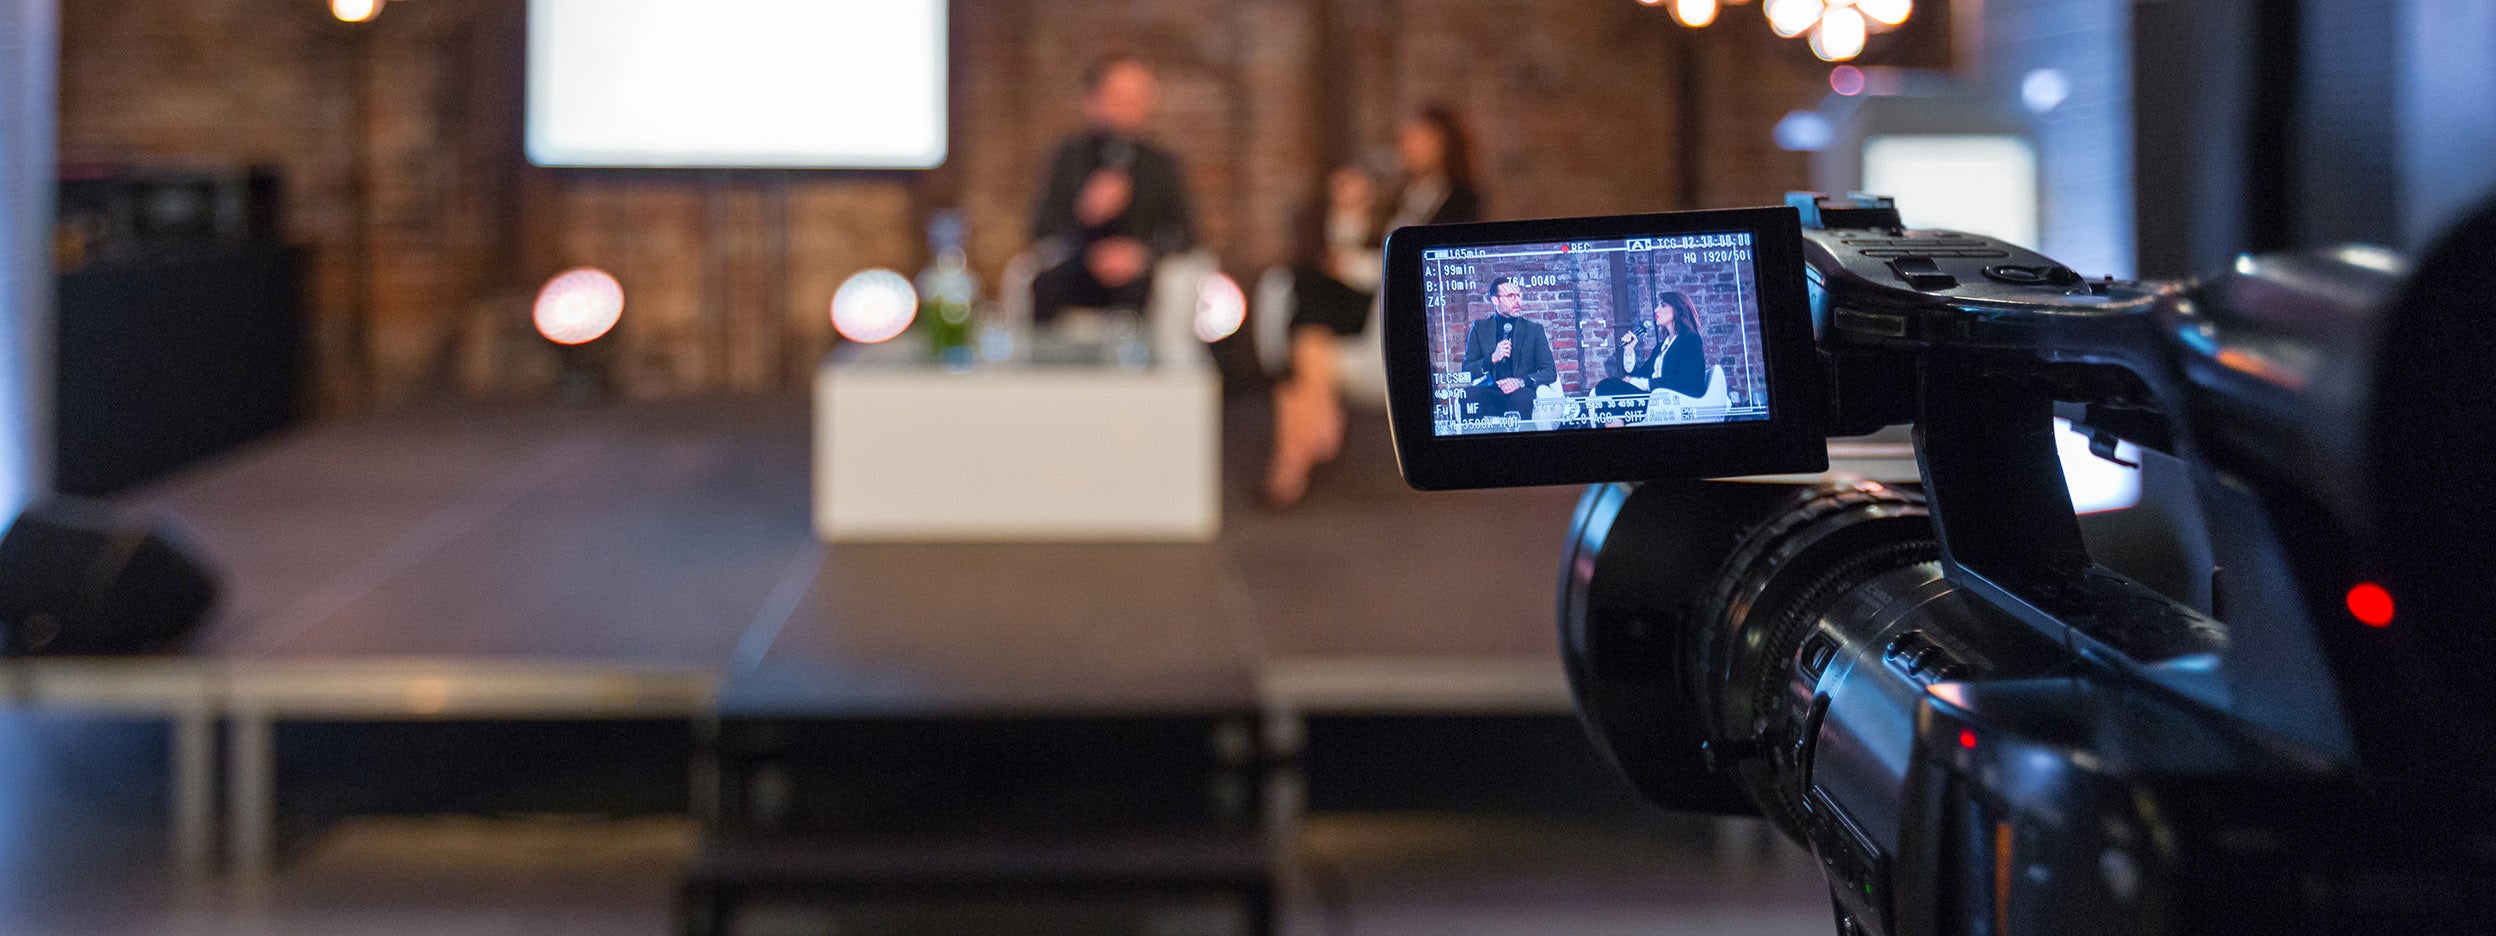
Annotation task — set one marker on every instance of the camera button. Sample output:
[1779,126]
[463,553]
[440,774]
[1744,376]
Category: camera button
[2016,275]
[1815,657]
[1921,273]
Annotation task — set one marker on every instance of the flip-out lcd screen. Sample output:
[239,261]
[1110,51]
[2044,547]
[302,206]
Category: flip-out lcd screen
[1595,334]
[1602,349]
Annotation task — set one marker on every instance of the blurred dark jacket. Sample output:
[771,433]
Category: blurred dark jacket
[1157,212]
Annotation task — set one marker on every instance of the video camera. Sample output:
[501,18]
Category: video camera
[1974,725]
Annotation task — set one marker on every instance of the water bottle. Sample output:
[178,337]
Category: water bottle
[948,293]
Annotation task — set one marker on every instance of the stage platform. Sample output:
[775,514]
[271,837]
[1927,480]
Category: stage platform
[629,560]
[677,534]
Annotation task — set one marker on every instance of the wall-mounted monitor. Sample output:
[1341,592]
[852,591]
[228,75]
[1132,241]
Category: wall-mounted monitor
[845,84]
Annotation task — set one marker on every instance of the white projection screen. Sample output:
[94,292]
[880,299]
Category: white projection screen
[1978,183]
[737,83]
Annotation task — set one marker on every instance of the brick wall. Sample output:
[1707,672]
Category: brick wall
[400,143]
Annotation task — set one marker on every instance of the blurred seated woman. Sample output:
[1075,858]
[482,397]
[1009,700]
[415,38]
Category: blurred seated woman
[1335,283]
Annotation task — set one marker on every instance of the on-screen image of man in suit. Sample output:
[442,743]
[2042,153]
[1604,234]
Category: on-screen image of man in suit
[1509,355]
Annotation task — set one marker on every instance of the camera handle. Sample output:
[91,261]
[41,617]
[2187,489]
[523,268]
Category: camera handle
[1994,335]
[1986,446]
[2005,520]
[2006,523]
[1986,443]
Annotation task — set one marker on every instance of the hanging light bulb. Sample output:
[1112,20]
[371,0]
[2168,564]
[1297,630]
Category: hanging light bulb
[1791,18]
[1886,12]
[1694,13]
[354,11]
[1839,36]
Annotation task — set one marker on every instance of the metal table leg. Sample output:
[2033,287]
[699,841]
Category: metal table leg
[702,795]
[1286,805]
[194,789]
[251,804]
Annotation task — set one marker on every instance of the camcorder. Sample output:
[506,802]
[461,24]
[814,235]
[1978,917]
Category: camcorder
[1971,721]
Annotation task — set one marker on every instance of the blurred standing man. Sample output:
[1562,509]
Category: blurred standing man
[1509,353]
[1112,204]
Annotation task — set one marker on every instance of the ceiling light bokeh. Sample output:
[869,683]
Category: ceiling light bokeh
[578,306]
[1836,28]
[1791,18]
[1804,131]
[1220,308]
[2044,89]
[1840,34]
[874,305]
[1846,80]
[1886,12]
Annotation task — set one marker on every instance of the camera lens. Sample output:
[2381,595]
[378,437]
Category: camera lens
[1687,607]
[1754,649]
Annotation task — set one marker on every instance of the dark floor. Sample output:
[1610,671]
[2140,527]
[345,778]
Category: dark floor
[81,852]
[677,534]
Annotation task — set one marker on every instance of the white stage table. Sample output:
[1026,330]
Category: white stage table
[1017,453]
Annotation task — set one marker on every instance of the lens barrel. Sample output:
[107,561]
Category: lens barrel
[1771,599]
[1667,598]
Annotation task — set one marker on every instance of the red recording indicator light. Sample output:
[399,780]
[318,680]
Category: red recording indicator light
[1967,738]
[2370,604]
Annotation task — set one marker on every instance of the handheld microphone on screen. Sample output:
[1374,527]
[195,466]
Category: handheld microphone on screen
[1645,333]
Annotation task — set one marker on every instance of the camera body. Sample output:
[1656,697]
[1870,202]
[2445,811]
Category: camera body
[1974,725]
